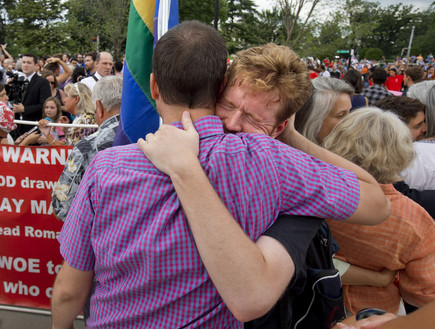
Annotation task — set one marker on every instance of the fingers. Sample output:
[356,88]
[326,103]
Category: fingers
[186,120]
[43,122]
[344,326]
[142,144]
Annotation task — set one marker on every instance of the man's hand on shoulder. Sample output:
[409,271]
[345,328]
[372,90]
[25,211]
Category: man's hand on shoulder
[173,151]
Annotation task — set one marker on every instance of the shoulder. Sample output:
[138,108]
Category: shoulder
[122,157]
[408,211]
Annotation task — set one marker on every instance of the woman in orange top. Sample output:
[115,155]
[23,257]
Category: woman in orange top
[380,143]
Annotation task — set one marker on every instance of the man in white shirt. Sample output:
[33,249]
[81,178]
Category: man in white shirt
[104,64]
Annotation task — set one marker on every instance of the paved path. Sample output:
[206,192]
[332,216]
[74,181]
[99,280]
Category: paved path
[20,320]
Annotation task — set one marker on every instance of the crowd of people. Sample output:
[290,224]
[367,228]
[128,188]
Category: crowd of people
[186,228]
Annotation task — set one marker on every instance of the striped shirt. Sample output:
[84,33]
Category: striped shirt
[404,242]
[126,224]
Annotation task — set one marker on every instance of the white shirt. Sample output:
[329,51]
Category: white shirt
[420,175]
[29,78]
[90,81]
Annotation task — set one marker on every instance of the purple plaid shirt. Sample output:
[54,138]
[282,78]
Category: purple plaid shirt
[126,224]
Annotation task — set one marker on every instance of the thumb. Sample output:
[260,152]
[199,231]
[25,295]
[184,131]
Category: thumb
[186,120]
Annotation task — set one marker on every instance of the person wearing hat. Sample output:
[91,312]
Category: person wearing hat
[6,118]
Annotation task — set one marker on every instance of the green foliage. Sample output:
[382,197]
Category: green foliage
[271,27]
[37,26]
[51,26]
[425,31]
[415,51]
[240,30]
[202,11]
[373,54]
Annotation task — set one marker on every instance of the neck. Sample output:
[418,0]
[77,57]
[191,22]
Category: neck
[173,113]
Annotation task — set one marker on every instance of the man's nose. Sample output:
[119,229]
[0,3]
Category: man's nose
[233,122]
[424,128]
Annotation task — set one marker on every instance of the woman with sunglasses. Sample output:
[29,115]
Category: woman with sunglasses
[54,85]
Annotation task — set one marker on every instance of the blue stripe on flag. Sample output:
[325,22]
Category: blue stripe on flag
[139,117]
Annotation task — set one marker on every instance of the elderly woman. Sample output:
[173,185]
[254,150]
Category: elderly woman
[328,103]
[380,143]
[78,102]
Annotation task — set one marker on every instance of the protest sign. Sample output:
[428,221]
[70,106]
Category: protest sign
[29,250]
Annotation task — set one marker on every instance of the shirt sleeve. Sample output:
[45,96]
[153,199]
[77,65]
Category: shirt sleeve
[75,237]
[417,280]
[311,187]
[295,233]
[66,188]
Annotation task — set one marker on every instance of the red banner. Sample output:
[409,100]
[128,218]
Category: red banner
[29,250]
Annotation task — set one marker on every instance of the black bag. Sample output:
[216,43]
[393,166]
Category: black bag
[319,304]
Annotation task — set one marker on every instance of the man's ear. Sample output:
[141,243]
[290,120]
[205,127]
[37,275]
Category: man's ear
[99,111]
[155,94]
[279,129]
[223,85]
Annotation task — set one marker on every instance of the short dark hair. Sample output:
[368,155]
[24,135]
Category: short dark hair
[379,76]
[415,73]
[51,66]
[35,59]
[78,72]
[46,73]
[354,78]
[118,66]
[189,65]
[93,55]
[405,108]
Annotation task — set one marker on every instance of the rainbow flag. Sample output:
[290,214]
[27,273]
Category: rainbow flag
[148,21]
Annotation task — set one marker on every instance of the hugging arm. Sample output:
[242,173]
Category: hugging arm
[250,277]
[373,207]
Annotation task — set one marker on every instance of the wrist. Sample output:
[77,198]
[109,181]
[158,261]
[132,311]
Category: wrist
[50,139]
[185,171]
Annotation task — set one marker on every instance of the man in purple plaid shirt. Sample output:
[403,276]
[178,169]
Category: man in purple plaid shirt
[126,225]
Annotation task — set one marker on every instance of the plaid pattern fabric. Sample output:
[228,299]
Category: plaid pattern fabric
[404,242]
[126,224]
[79,159]
[375,93]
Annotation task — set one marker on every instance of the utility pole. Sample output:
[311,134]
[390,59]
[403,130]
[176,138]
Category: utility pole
[410,43]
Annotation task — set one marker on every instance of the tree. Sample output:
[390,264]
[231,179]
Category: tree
[394,27]
[271,26]
[425,31]
[374,53]
[240,30]
[362,20]
[291,14]
[330,39]
[107,19]
[202,11]
[38,26]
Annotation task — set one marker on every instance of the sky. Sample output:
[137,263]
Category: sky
[421,4]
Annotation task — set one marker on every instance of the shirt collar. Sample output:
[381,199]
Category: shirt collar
[30,76]
[388,189]
[207,126]
[109,121]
